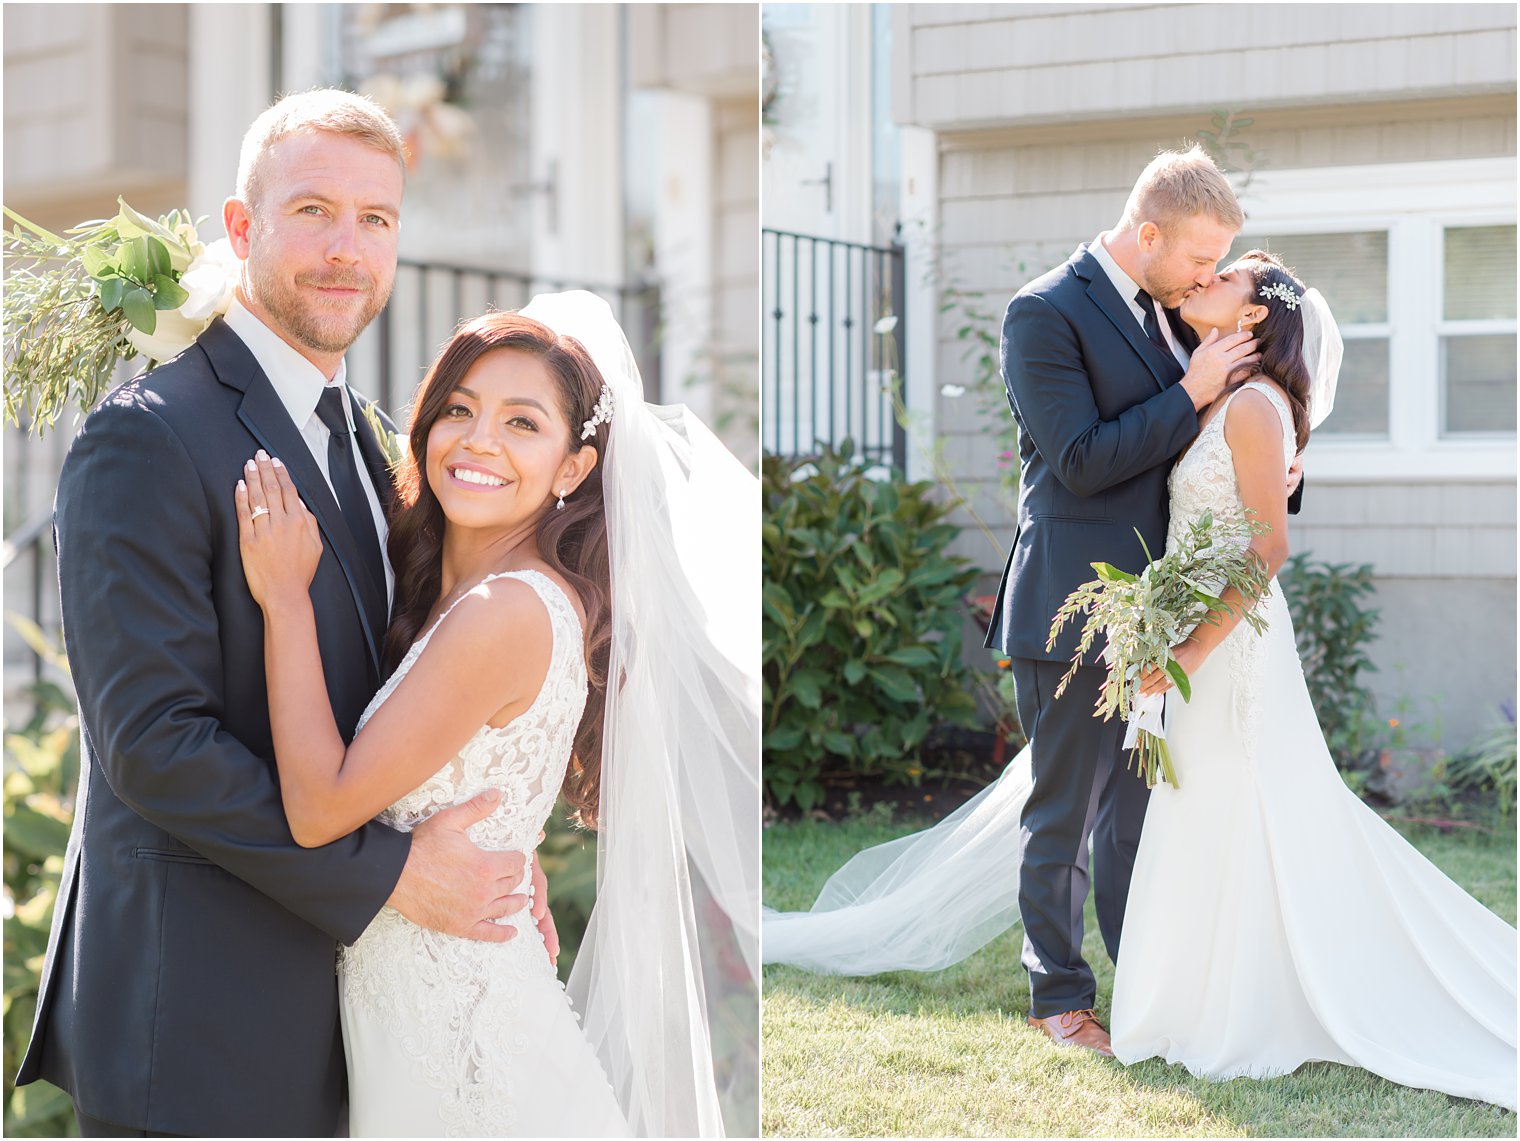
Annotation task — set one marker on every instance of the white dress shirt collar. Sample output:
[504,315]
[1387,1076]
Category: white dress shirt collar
[1126,286]
[296,381]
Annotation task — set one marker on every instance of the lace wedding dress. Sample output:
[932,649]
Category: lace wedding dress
[1273,918]
[454,1037]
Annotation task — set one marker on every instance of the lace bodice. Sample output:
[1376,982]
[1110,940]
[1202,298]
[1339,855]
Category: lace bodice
[453,1002]
[526,758]
[1204,478]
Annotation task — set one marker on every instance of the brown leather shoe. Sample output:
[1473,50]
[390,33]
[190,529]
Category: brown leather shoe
[1076,1028]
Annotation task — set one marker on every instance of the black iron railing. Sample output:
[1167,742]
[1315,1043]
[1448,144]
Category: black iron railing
[430,298]
[832,346]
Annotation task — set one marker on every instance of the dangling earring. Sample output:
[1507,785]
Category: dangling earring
[1240,325]
[560,506]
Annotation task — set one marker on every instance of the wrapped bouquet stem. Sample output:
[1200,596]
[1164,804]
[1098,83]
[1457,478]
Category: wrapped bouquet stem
[1142,616]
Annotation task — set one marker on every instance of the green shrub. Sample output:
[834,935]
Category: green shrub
[862,625]
[1334,628]
[1489,764]
[41,773]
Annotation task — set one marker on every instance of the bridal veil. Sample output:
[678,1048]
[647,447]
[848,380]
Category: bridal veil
[666,979]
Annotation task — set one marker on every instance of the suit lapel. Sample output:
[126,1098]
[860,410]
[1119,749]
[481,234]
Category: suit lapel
[1101,290]
[265,416]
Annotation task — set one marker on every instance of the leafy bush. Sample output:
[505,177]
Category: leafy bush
[41,774]
[1334,628]
[1489,764]
[862,625]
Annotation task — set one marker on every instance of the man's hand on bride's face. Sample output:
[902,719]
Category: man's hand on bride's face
[1189,654]
[1212,362]
[277,536]
[450,885]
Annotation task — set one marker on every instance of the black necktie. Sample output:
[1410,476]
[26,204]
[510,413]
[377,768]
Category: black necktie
[343,471]
[1152,326]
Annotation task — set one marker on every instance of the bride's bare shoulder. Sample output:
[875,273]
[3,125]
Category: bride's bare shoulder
[1251,415]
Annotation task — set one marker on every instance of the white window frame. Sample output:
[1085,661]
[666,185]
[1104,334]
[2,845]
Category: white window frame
[1414,203]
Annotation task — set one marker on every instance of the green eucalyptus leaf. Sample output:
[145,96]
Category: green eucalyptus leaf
[134,261]
[157,256]
[168,293]
[111,290]
[137,304]
[96,261]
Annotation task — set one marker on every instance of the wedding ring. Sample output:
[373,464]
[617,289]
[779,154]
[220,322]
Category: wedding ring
[257,511]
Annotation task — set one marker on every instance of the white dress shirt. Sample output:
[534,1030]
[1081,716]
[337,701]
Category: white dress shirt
[1128,287]
[299,385]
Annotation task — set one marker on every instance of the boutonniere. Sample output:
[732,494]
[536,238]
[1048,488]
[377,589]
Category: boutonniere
[392,444]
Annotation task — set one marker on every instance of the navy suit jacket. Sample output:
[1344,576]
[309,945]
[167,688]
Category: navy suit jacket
[189,983]
[1101,416]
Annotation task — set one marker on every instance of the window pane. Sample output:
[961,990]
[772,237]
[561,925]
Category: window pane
[1351,270]
[1479,382]
[1480,274]
[1361,396]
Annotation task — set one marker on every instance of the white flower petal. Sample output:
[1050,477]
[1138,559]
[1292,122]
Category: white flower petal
[210,281]
[171,336]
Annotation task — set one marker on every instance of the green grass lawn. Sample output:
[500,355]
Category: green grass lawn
[949,1054]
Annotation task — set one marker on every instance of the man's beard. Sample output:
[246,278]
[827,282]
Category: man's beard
[1169,292]
[301,315]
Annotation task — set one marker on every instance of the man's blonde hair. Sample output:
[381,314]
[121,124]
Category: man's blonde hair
[1178,185]
[322,109]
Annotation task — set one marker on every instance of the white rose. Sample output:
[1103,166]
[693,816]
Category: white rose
[190,247]
[172,336]
[210,281]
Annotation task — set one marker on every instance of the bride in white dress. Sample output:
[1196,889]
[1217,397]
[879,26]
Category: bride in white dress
[553,532]
[1273,918]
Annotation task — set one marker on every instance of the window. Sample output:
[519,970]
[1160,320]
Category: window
[1351,270]
[1417,261]
[1478,330]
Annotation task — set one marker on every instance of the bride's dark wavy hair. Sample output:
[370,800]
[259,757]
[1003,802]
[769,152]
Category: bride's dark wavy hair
[573,540]
[1279,338]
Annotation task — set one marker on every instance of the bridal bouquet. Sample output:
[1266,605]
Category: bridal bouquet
[104,292]
[1143,616]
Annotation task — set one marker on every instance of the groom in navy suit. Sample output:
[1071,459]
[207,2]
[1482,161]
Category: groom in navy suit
[1106,384]
[189,986]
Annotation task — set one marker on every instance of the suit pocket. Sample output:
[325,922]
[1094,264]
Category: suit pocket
[1098,519]
[171,855]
